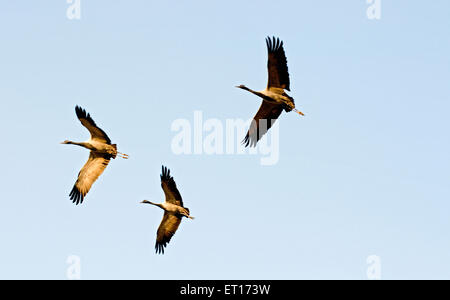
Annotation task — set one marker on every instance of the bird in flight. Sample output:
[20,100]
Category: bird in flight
[101,153]
[275,99]
[174,211]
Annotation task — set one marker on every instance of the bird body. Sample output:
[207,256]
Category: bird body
[274,97]
[102,151]
[174,211]
[98,147]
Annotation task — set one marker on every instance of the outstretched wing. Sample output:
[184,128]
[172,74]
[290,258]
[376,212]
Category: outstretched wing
[97,133]
[277,65]
[170,188]
[166,230]
[266,116]
[94,167]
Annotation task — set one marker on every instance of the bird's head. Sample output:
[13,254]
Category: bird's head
[66,142]
[146,202]
[242,87]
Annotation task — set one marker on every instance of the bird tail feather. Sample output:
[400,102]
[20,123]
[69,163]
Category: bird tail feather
[115,148]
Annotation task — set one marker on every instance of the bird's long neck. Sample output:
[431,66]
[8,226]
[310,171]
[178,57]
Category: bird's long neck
[82,144]
[155,204]
[253,92]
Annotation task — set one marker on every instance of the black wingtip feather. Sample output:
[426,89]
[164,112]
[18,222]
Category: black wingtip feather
[83,114]
[76,196]
[249,142]
[165,174]
[273,44]
[159,247]
[251,139]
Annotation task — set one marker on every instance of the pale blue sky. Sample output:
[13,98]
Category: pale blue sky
[365,172]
